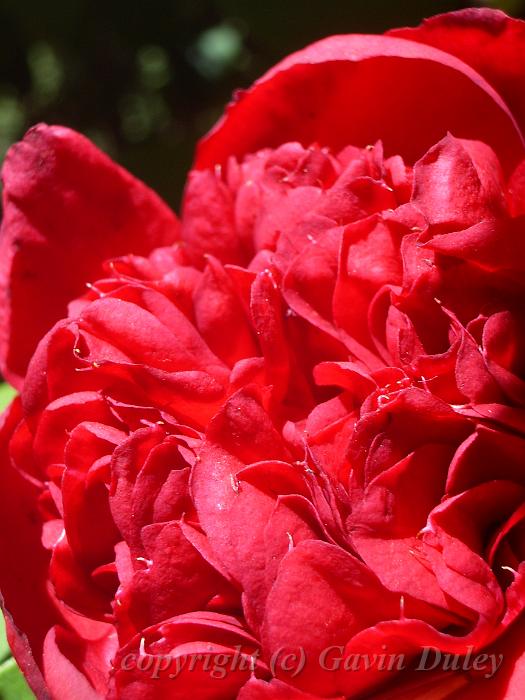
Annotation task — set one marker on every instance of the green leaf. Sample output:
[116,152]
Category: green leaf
[7,393]
[4,646]
[12,683]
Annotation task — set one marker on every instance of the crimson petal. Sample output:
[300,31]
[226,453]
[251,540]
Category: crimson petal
[343,86]
[67,209]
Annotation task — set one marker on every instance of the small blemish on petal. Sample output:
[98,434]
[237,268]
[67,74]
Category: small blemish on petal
[234,483]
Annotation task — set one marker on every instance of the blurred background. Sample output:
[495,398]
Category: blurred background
[145,79]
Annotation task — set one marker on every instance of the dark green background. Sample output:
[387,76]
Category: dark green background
[146,79]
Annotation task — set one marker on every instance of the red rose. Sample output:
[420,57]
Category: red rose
[276,450]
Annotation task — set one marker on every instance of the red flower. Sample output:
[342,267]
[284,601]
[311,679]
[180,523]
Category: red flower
[284,439]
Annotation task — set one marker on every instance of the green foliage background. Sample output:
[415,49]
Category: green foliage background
[146,78]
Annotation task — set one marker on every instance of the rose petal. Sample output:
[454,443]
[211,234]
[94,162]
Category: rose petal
[488,40]
[23,579]
[344,86]
[67,208]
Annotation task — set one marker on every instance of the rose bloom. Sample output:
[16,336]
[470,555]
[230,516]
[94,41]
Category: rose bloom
[294,419]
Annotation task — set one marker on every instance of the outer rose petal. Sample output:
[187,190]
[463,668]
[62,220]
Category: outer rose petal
[488,40]
[24,657]
[23,582]
[67,208]
[342,88]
